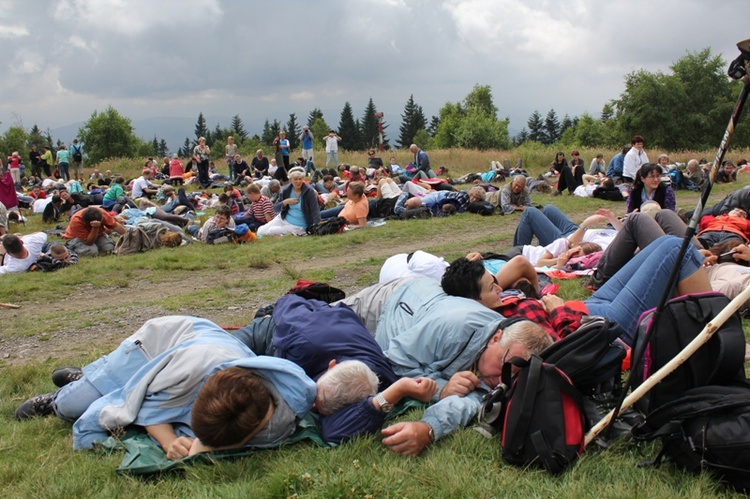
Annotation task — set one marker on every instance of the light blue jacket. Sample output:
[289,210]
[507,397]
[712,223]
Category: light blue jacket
[154,376]
[425,332]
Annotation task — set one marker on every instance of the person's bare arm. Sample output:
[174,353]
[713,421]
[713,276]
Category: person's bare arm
[175,447]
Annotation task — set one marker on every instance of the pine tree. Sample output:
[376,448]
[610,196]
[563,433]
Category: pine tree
[348,129]
[370,129]
[238,129]
[551,128]
[433,126]
[155,147]
[566,123]
[292,132]
[412,121]
[37,138]
[608,112]
[163,148]
[536,127]
[201,129]
[522,137]
[314,115]
[187,150]
[267,135]
[217,136]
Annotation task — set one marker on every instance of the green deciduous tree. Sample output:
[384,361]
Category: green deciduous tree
[319,129]
[109,135]
[15,139]
[314,115]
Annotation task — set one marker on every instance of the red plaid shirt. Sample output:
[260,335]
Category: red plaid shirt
[559,323]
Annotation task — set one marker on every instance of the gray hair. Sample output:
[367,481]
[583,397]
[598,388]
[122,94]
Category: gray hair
[346,383]
[519,178]
[274,183]
[692,163]
[530,335]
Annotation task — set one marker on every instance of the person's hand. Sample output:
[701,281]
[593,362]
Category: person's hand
[197,447]
[708,258]
[179,448]
[462,383]
[607,214]
[95,224]
[551,302]
[742,252]
[289,201]
[562,260]
[421,389]
[473,256]
[407,439]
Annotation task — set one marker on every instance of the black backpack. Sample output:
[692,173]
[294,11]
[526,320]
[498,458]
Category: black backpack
[707,428]
[77,156]
[330,226]
[544,422]
[718,362]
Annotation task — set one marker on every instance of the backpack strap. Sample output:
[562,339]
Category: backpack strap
[528,399]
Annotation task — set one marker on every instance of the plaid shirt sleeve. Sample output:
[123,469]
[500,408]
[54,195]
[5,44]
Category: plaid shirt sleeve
[559,323]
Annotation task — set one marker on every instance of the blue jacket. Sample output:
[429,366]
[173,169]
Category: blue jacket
[154,376]
[615,165]
[311,333]
[309,199]
[425,332]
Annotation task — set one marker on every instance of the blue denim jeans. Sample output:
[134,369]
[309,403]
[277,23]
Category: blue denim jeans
[73,399]
[331,212]
[547,225]
[638,286]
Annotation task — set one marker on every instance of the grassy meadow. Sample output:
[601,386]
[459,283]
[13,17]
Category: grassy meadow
[72,316]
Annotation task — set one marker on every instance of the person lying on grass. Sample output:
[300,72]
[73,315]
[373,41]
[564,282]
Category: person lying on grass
[193,388]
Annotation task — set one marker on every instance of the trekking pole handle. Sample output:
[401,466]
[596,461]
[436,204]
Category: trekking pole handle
[702,338]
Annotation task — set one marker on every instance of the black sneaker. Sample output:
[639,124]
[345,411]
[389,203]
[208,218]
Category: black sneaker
[64,375]
[41,405]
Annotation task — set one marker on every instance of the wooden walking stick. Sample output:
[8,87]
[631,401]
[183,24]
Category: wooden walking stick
[702,338]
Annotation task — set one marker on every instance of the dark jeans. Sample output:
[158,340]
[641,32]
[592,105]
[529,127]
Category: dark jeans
[203,179]
[331,212]
[568,180]
[250,221]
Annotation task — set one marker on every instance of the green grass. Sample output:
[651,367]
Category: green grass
[226,284]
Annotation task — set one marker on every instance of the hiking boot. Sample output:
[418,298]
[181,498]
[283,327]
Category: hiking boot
[683,214]
[557,193]
[596,281]
[65,375]
[41,405]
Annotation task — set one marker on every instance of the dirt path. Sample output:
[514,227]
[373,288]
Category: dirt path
[131,306]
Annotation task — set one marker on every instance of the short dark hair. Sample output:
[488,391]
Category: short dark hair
[637,139]
[92,214]
[12,244]
[224,210]
[230,405]
[463,278]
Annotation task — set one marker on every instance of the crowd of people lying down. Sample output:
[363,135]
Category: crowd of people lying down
[429,330]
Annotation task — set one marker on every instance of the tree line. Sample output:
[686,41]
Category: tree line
[685,108]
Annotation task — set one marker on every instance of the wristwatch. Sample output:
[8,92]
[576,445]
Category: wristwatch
[385,406]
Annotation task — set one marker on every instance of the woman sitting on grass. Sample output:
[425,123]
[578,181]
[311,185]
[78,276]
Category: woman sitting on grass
[297,207]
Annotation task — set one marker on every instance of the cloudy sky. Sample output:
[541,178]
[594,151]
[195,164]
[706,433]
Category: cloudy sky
[62,59]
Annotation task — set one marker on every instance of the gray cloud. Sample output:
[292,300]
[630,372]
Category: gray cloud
[263,60]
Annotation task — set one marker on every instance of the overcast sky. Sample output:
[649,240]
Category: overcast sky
[262,60]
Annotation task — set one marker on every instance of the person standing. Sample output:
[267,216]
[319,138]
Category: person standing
[285,147]
[230,151]
[35,158]
[634,159]
[332,149]
[46,161]
[76,153]
[201,154]
[306,137]
[62,162]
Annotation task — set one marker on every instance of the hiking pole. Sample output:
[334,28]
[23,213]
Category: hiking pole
[667,369]
[739,69]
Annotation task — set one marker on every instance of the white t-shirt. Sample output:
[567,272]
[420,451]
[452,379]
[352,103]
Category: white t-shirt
[602,237]
[535,253]
[332,144]
[138,185]
[33,244]
[40,204]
